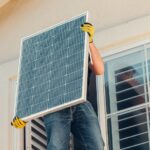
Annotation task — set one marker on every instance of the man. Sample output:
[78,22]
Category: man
[81,119]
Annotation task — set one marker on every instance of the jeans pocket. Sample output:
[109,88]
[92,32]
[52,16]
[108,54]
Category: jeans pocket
[90,108]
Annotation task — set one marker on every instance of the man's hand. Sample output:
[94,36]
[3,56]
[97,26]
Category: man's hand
[18,123]
[89,28]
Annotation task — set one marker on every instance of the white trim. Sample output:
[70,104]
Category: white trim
[28,136]
[85,65]
[124,48]
[15,136]
[147,76]
[128,110]
[102,109]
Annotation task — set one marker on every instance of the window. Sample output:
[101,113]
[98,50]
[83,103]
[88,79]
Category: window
[127,95]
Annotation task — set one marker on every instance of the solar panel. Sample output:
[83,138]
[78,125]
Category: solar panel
[52,69]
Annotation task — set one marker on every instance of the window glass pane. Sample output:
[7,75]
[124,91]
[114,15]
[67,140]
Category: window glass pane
[125,81]
[129,131]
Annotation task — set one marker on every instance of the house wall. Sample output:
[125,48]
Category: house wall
[6,71]
[106,40]
[123,34]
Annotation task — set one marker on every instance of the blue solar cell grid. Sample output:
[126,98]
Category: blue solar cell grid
[51,68]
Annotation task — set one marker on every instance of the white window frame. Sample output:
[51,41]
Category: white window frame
[101,89]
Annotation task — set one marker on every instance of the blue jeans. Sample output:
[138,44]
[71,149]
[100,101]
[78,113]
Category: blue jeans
[81,120]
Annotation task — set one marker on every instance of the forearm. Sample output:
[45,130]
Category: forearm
[97,61]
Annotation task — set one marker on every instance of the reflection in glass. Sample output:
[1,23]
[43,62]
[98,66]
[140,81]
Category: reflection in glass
[129,88]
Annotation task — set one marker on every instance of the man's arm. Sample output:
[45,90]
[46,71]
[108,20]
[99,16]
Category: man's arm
[97,64]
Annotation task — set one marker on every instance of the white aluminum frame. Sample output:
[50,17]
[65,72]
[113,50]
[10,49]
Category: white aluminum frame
[85,73]
[100,85]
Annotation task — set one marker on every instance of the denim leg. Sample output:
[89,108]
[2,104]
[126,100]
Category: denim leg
[85,127]
[58,129]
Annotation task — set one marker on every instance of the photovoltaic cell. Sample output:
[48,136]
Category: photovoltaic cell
[51,71]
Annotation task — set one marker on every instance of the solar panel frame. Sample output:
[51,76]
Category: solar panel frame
[85,73]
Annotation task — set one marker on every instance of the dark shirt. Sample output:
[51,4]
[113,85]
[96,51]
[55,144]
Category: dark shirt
[91,88]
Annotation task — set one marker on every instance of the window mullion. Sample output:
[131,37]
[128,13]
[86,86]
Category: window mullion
[148,87]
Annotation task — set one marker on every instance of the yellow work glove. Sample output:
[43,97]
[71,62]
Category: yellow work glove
[89,28]
[18,123]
